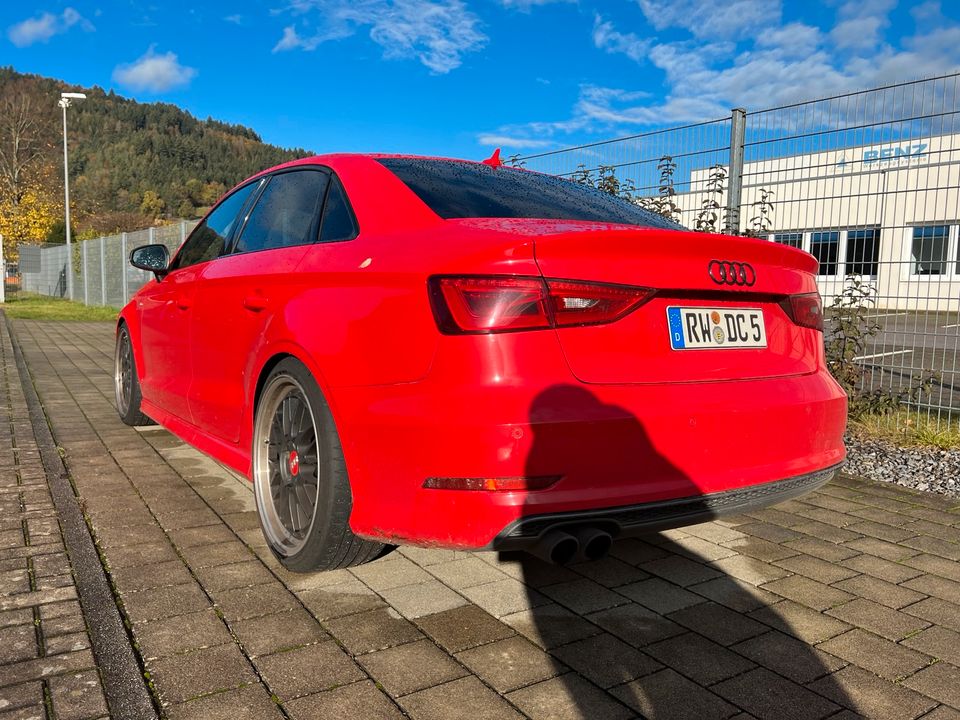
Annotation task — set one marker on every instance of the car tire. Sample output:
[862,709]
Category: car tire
[300,477]
[126,383]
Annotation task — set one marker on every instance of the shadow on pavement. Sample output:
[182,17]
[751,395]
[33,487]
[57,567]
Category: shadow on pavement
[679,638]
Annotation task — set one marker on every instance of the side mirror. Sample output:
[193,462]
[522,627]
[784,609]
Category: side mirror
[152,258]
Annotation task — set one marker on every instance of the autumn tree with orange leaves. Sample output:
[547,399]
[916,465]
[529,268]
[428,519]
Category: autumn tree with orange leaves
[30,190]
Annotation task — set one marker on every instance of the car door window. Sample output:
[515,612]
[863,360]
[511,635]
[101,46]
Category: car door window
[338,221]
[286,212]
[210,237]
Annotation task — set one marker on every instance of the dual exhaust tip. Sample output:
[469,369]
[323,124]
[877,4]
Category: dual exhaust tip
[585,543]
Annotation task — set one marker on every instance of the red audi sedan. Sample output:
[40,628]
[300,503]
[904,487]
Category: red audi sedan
[454,354]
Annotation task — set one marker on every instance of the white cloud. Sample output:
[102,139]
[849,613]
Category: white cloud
[927,12]
[235,19]
[710,72]
[723,20]
[794,40]
[513,143]
[45,26]
[865,8]
[527,5]
[861,24]
[154,72]
[615,107]
[290,40]
[436,32]
[860,32]
[606,38]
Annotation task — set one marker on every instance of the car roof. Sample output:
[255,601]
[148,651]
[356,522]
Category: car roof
[334,159]
[338,161]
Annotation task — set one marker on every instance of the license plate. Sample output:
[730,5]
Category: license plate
[699,328]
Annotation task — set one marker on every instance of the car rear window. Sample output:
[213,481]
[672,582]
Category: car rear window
[455,189]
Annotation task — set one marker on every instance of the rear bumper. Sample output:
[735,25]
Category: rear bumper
[651,517]
[612,446]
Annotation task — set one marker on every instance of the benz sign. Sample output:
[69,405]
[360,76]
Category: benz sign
[724,272]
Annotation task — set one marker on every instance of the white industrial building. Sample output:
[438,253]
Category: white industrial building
[889,213]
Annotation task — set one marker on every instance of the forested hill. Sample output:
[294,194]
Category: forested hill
[131,163]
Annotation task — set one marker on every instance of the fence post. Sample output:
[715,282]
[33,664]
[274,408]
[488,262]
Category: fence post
[183,231]
[103,271]
[738,127]
[151,233]
[3,274]
[123,267]
[86,275]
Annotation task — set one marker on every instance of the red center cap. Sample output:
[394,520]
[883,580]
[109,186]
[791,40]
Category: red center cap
[293,463]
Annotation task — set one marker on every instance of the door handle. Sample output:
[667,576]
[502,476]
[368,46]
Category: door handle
[256,303]
[183,303]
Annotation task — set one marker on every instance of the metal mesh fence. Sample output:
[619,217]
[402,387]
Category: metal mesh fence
[50,280]
[100,267]
[868,182]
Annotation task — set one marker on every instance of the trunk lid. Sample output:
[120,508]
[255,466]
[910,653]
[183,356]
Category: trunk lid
[637,348]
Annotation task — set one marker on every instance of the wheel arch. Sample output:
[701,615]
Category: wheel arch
[138,360]
[265,371]
[265,365]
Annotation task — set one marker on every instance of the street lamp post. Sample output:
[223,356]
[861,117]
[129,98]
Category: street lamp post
[65,99]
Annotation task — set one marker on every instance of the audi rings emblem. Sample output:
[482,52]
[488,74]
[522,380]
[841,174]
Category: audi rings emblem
[724,272]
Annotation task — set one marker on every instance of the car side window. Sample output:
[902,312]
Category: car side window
[338,221]
[286,212]
[210,237]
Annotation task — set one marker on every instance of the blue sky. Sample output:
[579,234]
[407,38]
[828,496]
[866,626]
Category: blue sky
[458,77]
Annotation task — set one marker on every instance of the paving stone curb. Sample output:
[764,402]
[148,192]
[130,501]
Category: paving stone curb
[123,682]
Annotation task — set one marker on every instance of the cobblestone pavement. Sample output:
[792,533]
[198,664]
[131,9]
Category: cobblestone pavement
[46,665]
[844,602]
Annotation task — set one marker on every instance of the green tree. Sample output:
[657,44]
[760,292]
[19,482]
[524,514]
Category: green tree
[121,151]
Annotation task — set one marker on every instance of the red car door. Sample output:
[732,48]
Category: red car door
[166,307]
[239,296]
[164,328]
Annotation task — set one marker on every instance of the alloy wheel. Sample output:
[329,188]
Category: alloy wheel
[123,372]
[286,464]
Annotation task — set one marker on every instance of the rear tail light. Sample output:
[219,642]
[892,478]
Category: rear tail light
[805,310]
[504,303]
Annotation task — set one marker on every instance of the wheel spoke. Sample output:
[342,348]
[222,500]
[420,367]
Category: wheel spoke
[304,500]
[305,433]
[288,406]
[288,512]
[306,515]
[297,430]
[276,485]
[294,508]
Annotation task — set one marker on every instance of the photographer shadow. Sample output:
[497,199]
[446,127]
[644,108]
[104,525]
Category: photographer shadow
[657,628]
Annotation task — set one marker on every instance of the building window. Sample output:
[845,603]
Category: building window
[929,250]
[863,252]
[793,239]
[825,247]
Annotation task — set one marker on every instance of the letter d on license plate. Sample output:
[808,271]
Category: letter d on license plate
[701,328]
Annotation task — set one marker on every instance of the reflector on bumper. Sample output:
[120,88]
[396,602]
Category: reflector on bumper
[491,484]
